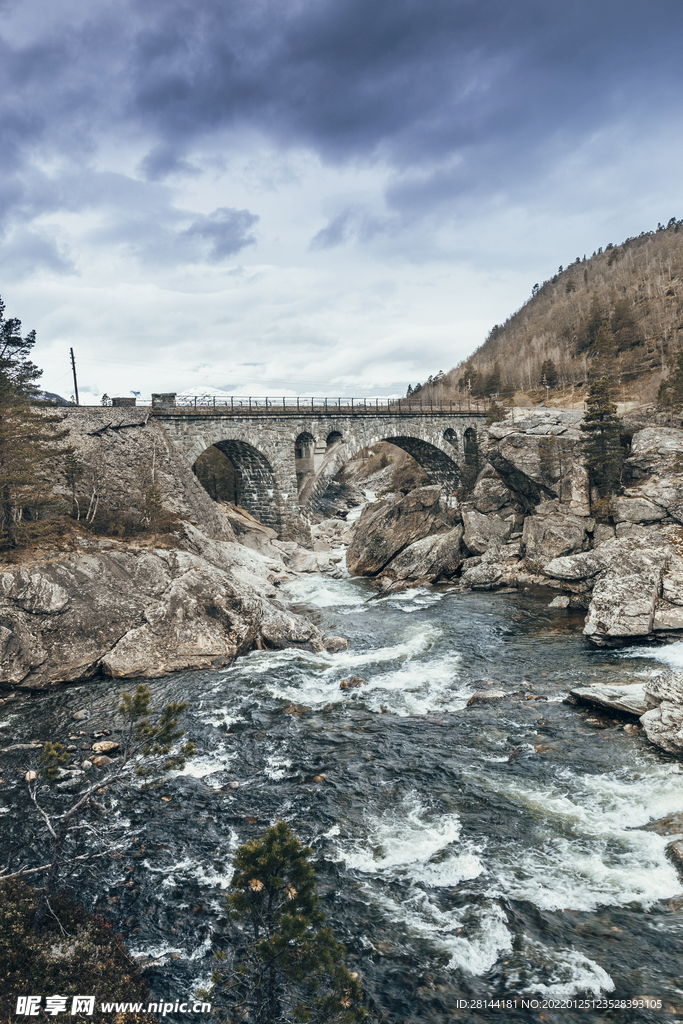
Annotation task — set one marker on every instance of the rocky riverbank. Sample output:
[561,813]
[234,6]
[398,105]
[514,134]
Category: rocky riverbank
[133,609]
[528,522]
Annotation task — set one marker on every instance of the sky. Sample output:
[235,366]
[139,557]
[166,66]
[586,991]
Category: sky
[316,197]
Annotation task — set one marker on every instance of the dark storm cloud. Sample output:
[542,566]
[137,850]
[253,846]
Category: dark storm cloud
[226,231]
[411,80]
[457,96]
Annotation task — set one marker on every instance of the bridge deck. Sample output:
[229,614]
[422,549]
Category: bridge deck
[329,409]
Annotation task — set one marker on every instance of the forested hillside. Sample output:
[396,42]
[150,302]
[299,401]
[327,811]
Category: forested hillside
[635,289]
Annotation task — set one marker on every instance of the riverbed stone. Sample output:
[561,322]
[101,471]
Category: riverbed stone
[485,697]
[431,558]
[629,698]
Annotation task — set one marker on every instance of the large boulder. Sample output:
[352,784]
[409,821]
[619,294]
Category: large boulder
[484,532]
[551,536]
[541,459]
[633,508]
[384,529]
[490,493]
[664,724]
[431,558]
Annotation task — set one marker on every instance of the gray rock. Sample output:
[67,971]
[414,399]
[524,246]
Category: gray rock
[627,576]
[484,532]
[667,616]
[430,558]
[667,685]
[80,716]
[552,536]
[483,576]
[637,510]
[561,601]
[138,612]
[539,461]
[484,697]
[384,529]
[664,726]
[629,698]
[602,533]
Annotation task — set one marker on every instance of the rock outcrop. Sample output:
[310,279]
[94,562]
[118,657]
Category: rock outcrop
[626,575]
[551,533]
[126,610]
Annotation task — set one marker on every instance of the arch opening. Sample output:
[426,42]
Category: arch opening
[349,472]
[451,437]
[333,437]
[304,461]
[217,475]
[254,488]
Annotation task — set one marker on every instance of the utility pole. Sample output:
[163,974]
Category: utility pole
[73,367]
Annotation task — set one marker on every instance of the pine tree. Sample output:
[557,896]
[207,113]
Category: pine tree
[28,504]
[604,363]
[285,966]
[603,453]
[549,373]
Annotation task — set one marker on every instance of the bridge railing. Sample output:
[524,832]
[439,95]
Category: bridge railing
[238,405]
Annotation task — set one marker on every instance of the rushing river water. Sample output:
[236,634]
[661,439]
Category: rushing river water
[490,852]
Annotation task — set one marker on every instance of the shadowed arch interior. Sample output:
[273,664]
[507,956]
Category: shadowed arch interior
[440,468]
[256,490]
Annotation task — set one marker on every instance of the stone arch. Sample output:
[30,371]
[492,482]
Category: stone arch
[451,437]
[304,446]
[257,489]
[333,437]
[441,467]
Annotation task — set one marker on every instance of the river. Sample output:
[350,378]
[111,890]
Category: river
[492,852]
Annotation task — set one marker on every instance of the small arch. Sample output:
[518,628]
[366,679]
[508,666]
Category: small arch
[333,437]
[451,437]
[304,446]
[255,485]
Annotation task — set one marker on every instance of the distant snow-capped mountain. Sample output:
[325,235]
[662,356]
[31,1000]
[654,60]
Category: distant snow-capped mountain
[201,396]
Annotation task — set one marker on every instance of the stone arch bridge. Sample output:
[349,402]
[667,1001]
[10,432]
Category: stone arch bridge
[285,458]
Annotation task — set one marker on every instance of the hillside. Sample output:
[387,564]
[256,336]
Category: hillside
[636,287]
